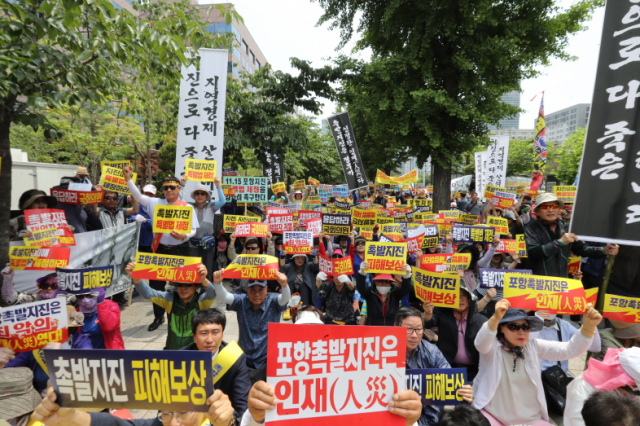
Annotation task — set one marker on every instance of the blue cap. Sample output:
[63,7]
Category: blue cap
[260,283]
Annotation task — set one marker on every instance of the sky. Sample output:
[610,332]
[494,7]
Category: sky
[287,28]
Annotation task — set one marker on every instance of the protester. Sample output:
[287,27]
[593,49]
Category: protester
[380,198]
[101,321]
[611,409]
[83,175]
[18,397]
[112,216]
[509,392]
[469,274]
[462,202]
[383,300]
[254,310]
[622,335]
[338,298]
[422,354]
[252,245]
[298,199]
[203,242]
[30,200]
[180,304]
[47,288]
[301,275]
[82,218]
[208,331]
[463,415]
[474,206]
[144,219]
[548,243]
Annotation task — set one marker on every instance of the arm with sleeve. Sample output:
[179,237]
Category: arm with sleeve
[160,298]
[284,297]
[486,259]
[222,200]
[207,298]
[223,294]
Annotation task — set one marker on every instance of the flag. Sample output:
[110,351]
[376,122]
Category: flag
[540,141]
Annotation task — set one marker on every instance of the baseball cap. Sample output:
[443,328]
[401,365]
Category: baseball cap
[383,277]
[260,283]
[150,188]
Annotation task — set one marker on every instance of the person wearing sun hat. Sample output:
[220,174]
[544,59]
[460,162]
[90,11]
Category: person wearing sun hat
[29,200]
[18,397]
[83,174]
[549,243]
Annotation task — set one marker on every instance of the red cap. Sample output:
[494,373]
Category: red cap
[383,277]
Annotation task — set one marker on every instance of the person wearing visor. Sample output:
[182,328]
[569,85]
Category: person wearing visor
[101,321]
[383,297]
[30,200]
[549,243]
[47,288]
[508,388]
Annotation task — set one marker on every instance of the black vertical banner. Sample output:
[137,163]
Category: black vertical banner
[607,207]
[273,166]
[348,150]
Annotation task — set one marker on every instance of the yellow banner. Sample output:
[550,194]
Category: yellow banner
[521,246]
[557,295]
[440,289]
[385,258]
[566,194]
[499,224]
[314,182]
[225,360]
[299,185]
[50,237]
[450,214]
[428,242]
[121,164]
[200,170]
[314,200]
[382,220]
[279,187]
[172,218]
[366,233]
[364,218]
[410,177]
[112,179]
[468,218]
[621,308]
[489,190]
[419,202]
[392,230]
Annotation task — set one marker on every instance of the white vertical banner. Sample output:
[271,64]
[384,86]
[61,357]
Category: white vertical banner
[203,94]
[496,168]
[480,172]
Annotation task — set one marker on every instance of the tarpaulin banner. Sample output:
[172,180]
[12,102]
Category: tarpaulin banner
[490,191]
[507,246]
[158,380]
[84,279]
[304,215]
[472,234]
[297,242]
[411,177]
[336,267]
[445,262]
[339,191]
[621,308]
[385,257]
[30,326]
[200,170]
[279,187]
[480,171]
[162,267]
[253,267]
[494,278]
[440,289]
[35,258]
[279,223]
[230,222]
[314,200]
[121,164]
[450,215]
[364,218]
[66,196]
[273,166]
[500,224]
[574,265]
[172,218]
[521,246]
[347,147]
[438,386]
[251,229]
[314,226]
[561,296]
[50,237]
[469,218]
[249,189]
[361,369]
[112,179]
[336,224]
[566,194]
[496,162]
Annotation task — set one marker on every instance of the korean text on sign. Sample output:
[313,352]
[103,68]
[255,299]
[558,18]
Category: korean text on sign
[162,267]
[31,326]
[500,225]
[249,189]
[385,258]
[625,309]
[438,386]
[335,267]
[84,279]
[112,179]
[280,222]
[200,170]
[66,196]
[172,218]
[441,289]
[472,234]
[251,229]
[445,262]
[45,259]
[298,242]
[45,219]
[336,224]
[158,380]
[335,374]
[230,222]
[562,296]
[253,267]
[494,278]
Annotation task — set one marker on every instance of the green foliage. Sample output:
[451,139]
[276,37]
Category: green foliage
[520,159]
[568,156]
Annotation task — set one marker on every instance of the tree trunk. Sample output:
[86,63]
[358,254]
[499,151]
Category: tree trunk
[6,116]
[441,186]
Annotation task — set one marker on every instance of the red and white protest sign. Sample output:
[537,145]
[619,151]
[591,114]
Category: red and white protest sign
[297,242]
[251,229]
[314,226]
[276,210]
[335,267]
[345,375]
[280,222]
[41,219]
[304,215]
[365,204]
[67,196]
[507,246]
[414,243]
[30,326]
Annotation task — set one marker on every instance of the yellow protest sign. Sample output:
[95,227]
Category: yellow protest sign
[314,182]
[521,246]
[112,179]
[163,267]
[172,218]
[364,218]
[299,185]
[43,238]
[621,308]
[314,200]
[382,220]
[566,194]
[468,218]
[200,170]
[385,258]
[279,187]
[499,224]
[410,177]
[230,222]
[562,296]
[450,214]
[428,242]
[440,289]
[367,233]
[392,231]
[119,164]
[228,190]
[489,190]
[391,199]
[419,202]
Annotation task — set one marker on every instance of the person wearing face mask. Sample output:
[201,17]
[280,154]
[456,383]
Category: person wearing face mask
[338,298]
[383,298]
[101,320]
[47,289]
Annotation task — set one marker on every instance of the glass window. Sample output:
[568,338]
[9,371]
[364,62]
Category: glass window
[245,46]
[257,64]
[221,27]
[253,57]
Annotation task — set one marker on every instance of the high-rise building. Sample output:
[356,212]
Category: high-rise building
[511,98]
[514,134]
[561,124]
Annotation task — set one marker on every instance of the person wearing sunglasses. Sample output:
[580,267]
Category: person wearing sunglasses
[549,243]
[112,216]
[508,388]
[101,321]
[47,288]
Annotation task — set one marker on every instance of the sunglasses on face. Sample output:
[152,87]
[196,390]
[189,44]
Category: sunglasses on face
[83,296]
[111,198]
[360,243]
[517,327]
[47,285]
[198,194]
[548,206]
[184,285]
[252,248]
[171,187]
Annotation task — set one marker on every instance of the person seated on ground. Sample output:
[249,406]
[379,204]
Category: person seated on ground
[508,386]
[463,415]
[383,298]
[618,371]
[611,408]
[254,310]
[422,354]
[101,326]
[51,414]
[457,331]
[622,335]
[301,275]
[337,294]
[208,331]
[180,304]
[32,360]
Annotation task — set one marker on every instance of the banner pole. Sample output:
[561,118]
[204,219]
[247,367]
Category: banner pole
[605,283]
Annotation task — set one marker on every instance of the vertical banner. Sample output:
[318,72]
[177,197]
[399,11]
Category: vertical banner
[479,158]
[273,166]
[609,171]
[496,168]
[348,151]
[201,114]
[540,140]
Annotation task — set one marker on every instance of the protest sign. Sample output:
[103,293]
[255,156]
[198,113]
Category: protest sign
[472,234]
[230,222]
[507,246]
[621,308]
[297,242]
[279,187]
[277,208]
[494,278]
[335,267]
[66,196]
[521,246]
[445,262]
[112,179]
[249,189]
[496,162]
[314,182]
[385,257]
[314,226]
[362,369]
[30,326]
[418,202]
[74,280]
[364,218]
[228,190]
[280,223]
[574,264]
[365,204]
[440,289]
[172,218]
[158,380]
[450,215]
[428,242]
[411,177]
[35,258]
[382,220]
[366,233]
[44,220]
[336,224]
[253,267]
[162,267]
[392,231]
[438,386]
[504,200]
[480,172]
[121,164]
[566,194]
[561,296]
[347,147]
[468,218]
[490,190]
[251,229]
[414,244]
[304,215]
[299,185]
[339,192]
[314,200]
[200,170]
[50,237]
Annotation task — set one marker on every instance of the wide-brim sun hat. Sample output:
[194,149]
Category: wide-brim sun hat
[203,189]
[625,330]
[545,197]
[299,255]
[513,314]
[82,171]
[50,200]
[17,394]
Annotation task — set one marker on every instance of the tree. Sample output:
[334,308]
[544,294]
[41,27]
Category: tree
[568,156]
[520,159]
[440,67]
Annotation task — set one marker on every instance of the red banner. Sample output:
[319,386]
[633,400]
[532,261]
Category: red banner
[253,267]
[335,267]
[41,259]
[65,196]
[163,267]
[280,223]
[561,296]
[251,229]
[507,246]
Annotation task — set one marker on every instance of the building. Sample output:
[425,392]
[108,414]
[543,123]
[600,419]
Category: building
[514,134]
[561,124]
[511,98]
